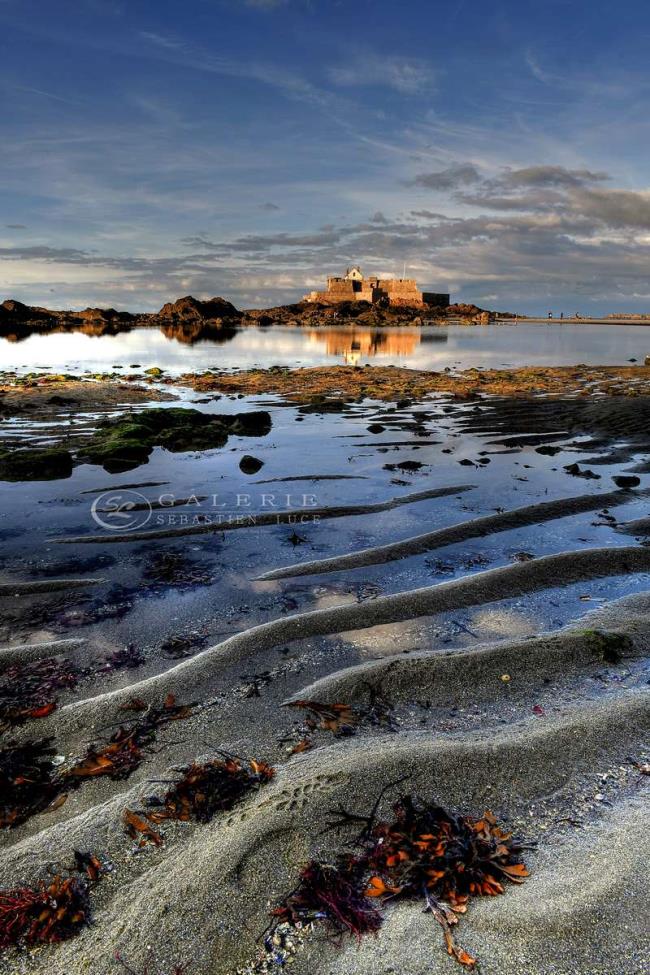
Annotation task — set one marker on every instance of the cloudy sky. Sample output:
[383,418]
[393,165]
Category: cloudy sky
[153,148]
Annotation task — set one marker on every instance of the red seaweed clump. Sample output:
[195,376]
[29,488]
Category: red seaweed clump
[424,853]
[334,892]
[55,910]
[49,913]
[28,780]
[30,690]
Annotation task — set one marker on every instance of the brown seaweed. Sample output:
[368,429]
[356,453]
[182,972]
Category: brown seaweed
[203,791]
[125,749]
[28,780]
[30,690]
[424,853]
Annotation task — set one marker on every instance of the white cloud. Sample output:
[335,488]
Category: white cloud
[408,76]
[592,246]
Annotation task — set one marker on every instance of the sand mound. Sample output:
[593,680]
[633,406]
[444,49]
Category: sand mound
[219,878]
[533,514]
[274,518]
[482,587]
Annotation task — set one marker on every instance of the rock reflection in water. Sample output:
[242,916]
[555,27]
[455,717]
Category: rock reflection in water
[190,333]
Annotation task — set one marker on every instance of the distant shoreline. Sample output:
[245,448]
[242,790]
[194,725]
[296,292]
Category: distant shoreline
[582,320]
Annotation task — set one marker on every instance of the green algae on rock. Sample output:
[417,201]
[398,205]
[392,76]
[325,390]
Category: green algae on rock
[35,465]
[610,647]
[125,443]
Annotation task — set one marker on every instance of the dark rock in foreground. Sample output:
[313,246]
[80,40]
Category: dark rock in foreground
[35,465]
[322,404]
[250,465]
[126,442]
[120,445]
[626,480]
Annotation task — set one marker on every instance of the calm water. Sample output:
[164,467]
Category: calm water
[430,347]
[35,513]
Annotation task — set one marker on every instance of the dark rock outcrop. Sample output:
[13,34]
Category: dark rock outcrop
[250,465]
[189,309]
[307,314]
[123,444]
[626,480]
[19,321]
[35,465]
[15,312]
[103,315]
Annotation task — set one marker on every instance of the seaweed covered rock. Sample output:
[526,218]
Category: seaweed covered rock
[35,465]
[125,443]
[324,404]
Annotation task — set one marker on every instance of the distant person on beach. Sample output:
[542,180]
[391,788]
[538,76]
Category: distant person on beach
[550,314]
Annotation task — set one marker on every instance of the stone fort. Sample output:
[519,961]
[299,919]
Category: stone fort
[376,291]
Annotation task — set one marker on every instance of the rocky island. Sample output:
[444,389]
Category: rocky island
[379,303]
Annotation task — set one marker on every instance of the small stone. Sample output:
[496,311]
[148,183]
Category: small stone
[523,557]
[626,480]
[250,465]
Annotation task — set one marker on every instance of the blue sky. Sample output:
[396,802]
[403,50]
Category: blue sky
[249,147]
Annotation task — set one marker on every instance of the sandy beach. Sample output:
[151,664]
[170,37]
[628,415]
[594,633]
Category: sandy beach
[463,690]
[324,488]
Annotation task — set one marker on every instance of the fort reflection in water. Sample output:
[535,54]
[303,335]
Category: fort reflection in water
[351,345]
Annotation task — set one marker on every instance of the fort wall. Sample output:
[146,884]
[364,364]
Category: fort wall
[394,291]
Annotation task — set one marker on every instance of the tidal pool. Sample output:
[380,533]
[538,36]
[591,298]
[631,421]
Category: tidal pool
[453,447]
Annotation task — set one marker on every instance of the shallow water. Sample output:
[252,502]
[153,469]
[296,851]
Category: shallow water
[428,347]
[34,514]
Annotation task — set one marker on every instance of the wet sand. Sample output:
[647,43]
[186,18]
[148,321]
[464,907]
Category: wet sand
[544,728]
